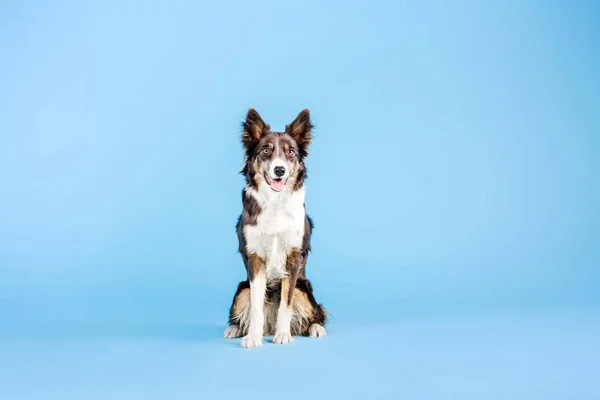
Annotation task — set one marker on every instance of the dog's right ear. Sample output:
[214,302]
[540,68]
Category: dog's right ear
[254,128]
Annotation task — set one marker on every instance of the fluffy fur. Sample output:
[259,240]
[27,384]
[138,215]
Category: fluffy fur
[274,234]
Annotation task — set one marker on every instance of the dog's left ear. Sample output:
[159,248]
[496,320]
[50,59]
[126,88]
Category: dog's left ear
[300,129]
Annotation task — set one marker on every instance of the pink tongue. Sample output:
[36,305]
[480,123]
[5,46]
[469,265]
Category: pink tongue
[277,185]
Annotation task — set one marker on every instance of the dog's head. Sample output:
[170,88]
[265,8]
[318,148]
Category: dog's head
[276,158]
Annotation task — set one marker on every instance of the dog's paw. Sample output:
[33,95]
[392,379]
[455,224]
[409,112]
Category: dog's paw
[316,331]
[232,332]
[283,338]
[250,341]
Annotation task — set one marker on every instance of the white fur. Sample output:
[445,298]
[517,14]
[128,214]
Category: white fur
[316,331]
[284,318]
[258,287]
[232,332]
[283,325]
[250,342]
[283,338]
[278,162]
[279,227]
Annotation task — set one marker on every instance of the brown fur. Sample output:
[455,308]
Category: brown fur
[286,291]
[294,261]
[255,265]
[300,129]
[305,310]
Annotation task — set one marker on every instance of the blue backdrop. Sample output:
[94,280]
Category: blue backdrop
[453,180]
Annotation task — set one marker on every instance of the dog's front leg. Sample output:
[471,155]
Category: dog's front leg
[284,313]
[258,287]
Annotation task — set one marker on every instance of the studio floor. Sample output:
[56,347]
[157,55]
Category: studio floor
[546,354]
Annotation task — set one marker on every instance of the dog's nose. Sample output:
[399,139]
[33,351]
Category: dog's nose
[279,171]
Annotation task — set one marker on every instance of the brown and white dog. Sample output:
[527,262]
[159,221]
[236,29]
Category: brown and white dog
[274,237]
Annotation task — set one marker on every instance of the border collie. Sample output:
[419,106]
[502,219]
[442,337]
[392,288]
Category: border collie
[274,237]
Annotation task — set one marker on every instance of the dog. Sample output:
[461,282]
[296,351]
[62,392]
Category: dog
[274,234]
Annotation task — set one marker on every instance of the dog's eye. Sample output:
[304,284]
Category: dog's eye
[291,152]
[266,150]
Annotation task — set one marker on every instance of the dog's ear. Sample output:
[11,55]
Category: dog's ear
[300,129]
[254,128]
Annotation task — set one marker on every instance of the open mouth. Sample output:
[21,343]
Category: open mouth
[276,184]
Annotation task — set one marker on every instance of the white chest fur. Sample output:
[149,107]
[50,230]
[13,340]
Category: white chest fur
[279,227]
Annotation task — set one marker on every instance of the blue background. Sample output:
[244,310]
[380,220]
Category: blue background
[453,180]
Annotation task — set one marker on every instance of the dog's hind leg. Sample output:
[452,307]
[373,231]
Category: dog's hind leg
[239,312]
[308,317]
